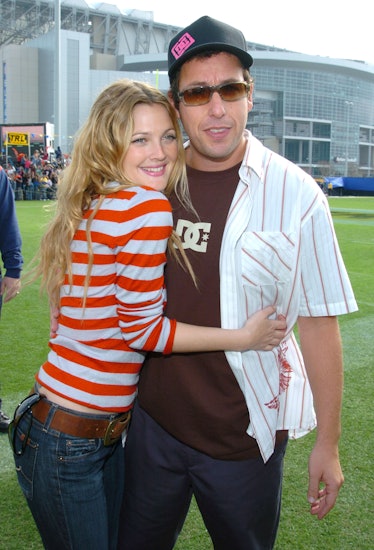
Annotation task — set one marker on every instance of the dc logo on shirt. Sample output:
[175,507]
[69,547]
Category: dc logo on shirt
[194,235]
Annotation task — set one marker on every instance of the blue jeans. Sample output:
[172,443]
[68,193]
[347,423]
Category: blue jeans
[73,486]
[239,500]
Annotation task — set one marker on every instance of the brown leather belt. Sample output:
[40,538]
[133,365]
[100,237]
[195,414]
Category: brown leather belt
[80,426]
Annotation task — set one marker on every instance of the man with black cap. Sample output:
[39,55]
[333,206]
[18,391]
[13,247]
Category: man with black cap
[216,425]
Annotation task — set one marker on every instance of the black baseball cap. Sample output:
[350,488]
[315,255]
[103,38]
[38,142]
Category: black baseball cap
[206,34]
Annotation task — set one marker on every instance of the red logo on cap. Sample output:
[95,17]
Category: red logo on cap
[182,45]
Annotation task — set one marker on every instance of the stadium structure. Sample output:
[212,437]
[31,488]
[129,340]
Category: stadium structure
[57,55]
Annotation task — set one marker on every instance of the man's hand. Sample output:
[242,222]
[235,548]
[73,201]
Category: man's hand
[325,479]
[9,288]
[322,352]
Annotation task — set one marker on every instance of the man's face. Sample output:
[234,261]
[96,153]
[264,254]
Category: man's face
[215,129]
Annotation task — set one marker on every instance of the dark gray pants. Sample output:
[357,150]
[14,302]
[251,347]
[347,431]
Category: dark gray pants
[239,500]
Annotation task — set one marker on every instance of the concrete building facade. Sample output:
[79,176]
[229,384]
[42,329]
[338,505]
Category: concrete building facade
[316,111]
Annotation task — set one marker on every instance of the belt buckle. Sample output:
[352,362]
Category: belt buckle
[116,427]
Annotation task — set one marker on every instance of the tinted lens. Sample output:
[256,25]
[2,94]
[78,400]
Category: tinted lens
[19,446]
[202,94]
[25,405]
[20,411]
[196,96]
[234,91]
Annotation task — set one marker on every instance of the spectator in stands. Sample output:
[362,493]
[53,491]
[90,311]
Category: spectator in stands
[36,160]
[58,154]
[27,164]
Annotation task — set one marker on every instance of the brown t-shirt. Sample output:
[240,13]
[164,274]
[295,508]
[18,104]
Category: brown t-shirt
[195,397]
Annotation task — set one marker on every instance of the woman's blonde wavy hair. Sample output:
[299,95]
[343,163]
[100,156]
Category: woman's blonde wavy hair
[97,159]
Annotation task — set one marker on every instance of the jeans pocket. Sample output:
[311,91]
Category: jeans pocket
[75,450]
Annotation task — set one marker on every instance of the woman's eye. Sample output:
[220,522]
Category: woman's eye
[138,140]
[170,137]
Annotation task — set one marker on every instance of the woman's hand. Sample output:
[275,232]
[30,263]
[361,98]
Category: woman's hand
[262,333]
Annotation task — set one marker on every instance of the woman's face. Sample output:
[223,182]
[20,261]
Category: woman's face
[153,148]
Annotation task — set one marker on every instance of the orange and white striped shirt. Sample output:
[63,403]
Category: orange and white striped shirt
[279,248]
[98,351]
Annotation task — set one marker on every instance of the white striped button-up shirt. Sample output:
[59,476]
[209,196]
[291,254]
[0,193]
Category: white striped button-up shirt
[279,248]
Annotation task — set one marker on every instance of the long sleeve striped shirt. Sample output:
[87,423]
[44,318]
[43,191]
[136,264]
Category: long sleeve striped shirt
[98,351]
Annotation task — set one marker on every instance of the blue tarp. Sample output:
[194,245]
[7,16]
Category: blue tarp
[362,185]
[336,182]
[359,184]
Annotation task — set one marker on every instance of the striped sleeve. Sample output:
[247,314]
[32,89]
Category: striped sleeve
[326,288]
[140,265]
[126,291]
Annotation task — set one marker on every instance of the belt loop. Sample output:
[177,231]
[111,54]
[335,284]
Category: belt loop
[50,415]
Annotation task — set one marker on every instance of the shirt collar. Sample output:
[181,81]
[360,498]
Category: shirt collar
[253,158]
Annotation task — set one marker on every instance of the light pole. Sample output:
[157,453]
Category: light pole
[348,104]
[57,101]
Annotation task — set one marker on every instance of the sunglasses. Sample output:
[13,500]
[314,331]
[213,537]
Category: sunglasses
[24,407]
[200,95]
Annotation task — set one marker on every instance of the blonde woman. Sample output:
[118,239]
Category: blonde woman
[102,262]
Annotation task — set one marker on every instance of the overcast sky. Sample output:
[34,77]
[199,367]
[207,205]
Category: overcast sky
[328,28]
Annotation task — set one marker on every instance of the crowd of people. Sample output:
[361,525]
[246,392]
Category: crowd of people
[34,177]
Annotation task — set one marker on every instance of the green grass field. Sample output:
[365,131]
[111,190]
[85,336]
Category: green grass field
[24,330]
